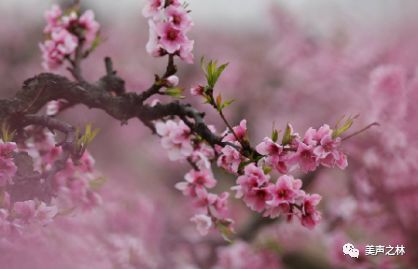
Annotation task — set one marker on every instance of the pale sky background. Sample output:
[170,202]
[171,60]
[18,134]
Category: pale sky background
[321,15]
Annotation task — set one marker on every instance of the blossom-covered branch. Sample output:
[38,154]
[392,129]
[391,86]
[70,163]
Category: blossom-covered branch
[264,174]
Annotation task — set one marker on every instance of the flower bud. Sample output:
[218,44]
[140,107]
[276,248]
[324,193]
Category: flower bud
[197,90]
[172,81]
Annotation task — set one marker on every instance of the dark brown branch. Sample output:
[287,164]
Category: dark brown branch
[109,66]
[361,131]
[246,149]
[75,68]
[156,87]
[41,89]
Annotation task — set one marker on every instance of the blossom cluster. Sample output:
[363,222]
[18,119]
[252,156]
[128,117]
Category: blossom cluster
[169,23]
[22,200]
[181,144]
[283,197]
[317,147]
[75,184]
[273,198]
[14,216]
[66,30]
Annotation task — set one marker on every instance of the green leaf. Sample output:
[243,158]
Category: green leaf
[175,92]
[207,90]
[212,71]
[96,42]
[219,102]
[209,73]
[97,183]
[87,137]
[224,227]
[275,135]
[217,71]
[71,9]
[6,134]
[340,130]
[220,70]
[243,164]
[227,103]
[287,136]
[267,169]
[202,64]
[211,67]
[273,246]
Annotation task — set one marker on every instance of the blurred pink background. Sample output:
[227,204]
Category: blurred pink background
[304,62]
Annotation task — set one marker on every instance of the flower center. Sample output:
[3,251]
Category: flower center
[172,34]
[176,19]
[261,194]
[157,4]
[306,154]
[200,180]
[282,194]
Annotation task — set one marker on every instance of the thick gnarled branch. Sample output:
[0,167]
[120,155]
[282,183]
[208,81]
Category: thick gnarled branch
[105,94]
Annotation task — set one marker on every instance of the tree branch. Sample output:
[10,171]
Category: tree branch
[41,89]
[155,88]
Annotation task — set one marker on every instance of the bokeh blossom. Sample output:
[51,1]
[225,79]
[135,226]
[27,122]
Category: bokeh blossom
[261,198]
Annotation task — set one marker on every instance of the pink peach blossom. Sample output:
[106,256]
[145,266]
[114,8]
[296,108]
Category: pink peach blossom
[179,17]
[240,132]
[153,47]
[7,166]
[61,44]
[202,156]
[175,138]
[252,187]
[185,52]
[175,3]
[204,199]
[52,18]
[45,214]
[152,8]
[203,223]
[220,206]
[310,216]
[268,147]
[197,90]
[305,157]
[196,180]
[275,156]
[172,81]
[229,159]
[285,191]
[90,26]
[25,211]
[170,38]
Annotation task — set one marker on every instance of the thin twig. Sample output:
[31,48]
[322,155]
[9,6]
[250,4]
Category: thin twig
[156,86]
[360,131]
